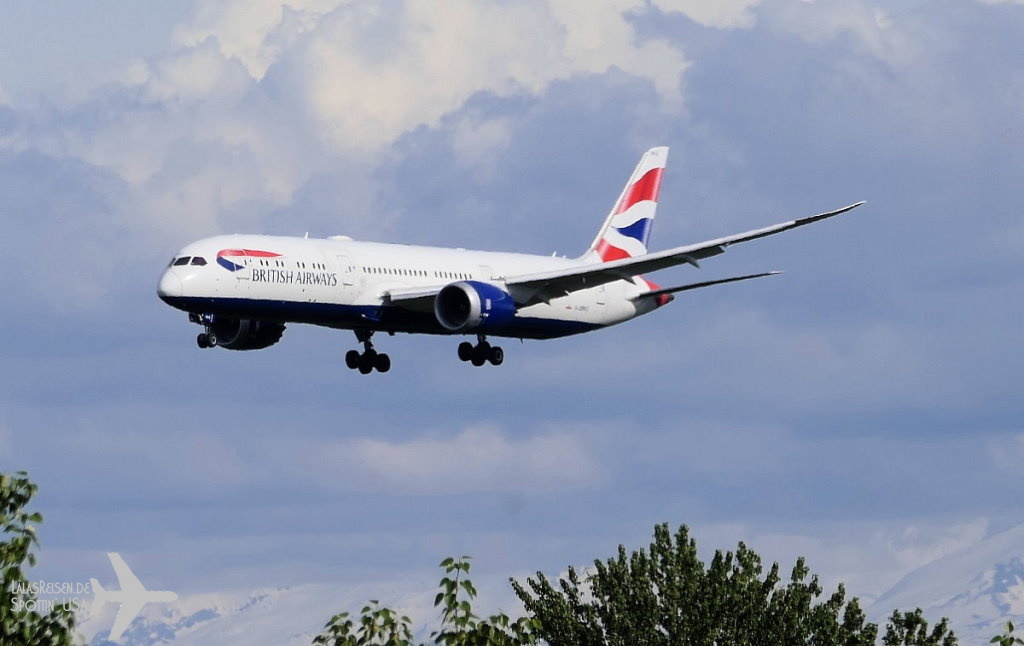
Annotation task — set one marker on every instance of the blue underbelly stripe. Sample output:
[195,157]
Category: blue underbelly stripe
[347,317]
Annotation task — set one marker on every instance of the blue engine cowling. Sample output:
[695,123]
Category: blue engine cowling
[472,305]
[243,334]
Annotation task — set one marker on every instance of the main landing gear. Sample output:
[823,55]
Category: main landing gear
[369,359]
[481,353]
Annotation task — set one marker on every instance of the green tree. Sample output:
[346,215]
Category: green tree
[666,595]
[459,626]
[1007,638]
[379,626]
[911,629]
[20,624]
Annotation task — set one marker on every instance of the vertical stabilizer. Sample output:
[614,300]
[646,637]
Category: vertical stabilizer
[628,225]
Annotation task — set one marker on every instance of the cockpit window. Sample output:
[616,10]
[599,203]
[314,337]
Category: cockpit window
[181,261]
[199,260]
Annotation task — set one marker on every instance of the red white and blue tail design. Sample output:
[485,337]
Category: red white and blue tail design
[628,226]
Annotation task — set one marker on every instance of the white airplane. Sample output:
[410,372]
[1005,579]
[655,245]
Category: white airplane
[132,595]
[244,289]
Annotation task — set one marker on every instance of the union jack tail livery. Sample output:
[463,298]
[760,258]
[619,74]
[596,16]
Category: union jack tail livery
[628,225]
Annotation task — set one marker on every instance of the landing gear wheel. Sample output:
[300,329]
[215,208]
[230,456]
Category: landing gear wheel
[366,364]
[480,353]
[369,359]
[497,356]
[352,359]
[203,341]
[211,339]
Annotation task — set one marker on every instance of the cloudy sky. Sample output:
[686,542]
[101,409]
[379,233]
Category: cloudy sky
[863,409]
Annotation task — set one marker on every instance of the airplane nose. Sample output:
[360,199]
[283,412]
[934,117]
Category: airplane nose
[170,286]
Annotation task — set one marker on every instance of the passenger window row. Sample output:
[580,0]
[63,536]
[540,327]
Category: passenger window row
[396,271]
[285,263]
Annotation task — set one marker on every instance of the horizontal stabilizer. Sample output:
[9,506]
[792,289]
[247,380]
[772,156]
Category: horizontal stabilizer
[706,283]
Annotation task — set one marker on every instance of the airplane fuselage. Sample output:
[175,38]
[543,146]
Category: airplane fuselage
[339,283]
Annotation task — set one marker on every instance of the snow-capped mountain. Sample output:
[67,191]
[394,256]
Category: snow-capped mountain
[286,616]
[979,588]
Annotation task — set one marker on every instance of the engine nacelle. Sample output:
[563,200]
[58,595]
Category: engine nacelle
[472,305]
[244,334]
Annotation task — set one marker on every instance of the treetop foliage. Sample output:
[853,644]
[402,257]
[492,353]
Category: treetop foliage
[20,624]
[662,595]
[666,595]
[459,625]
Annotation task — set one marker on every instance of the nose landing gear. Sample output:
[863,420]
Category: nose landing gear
[369,359]
[207,338]
[481,353]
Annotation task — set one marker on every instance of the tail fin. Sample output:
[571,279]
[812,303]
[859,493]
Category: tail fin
[101,595]
[628,226]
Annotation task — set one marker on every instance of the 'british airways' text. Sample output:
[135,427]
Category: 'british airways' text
[292,277]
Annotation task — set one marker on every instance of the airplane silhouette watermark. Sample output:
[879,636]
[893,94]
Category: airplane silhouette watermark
[46,596]
[132,596]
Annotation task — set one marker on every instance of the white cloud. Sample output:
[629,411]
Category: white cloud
[724,14]
[199,73]
[368,72]
[476,459]
[817,22]
[244,30]
[478,141]
[257,98]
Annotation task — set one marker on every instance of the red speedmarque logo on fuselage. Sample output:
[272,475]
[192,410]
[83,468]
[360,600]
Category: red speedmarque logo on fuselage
[224,254]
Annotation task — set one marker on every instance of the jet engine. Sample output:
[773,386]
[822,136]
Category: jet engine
[244,334]
[472,305]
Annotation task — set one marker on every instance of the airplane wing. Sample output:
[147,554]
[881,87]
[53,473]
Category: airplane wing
[529,289]
[416,300]
[129,610]
[125,577]
[544,286]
